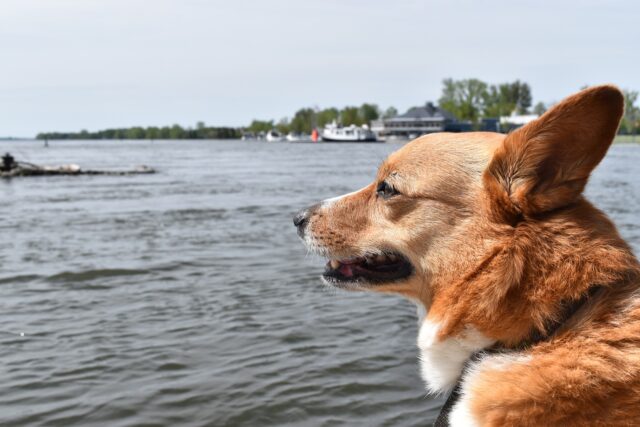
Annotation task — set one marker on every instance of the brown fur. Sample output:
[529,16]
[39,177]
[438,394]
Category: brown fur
[501,239]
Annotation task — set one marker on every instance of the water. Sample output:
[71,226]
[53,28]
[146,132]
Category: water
[185,298]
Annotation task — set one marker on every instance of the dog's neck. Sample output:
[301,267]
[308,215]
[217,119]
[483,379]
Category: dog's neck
[443,360]
[442,364]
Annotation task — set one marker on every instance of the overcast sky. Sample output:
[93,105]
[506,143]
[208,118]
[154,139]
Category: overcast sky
[90,64]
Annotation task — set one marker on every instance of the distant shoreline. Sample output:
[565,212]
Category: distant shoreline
[619,139]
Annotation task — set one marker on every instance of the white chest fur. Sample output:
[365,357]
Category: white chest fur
[442,361]
[461,415]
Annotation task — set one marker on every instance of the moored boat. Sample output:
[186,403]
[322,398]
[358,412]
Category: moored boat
[298,137]
[274,136]
[336,133]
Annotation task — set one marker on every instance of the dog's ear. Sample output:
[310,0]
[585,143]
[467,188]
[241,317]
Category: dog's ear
[545,164]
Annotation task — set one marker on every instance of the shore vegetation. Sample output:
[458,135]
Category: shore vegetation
[468,100]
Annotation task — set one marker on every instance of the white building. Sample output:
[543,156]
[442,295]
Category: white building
[415,122]
[517,120]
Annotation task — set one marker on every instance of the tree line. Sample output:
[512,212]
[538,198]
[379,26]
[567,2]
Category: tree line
[473,99]
[303,121]
[201,131]
[468,100]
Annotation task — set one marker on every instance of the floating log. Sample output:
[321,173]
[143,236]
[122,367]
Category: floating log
[26,169]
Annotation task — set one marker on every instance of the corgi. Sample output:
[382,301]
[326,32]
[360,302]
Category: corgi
[530,296]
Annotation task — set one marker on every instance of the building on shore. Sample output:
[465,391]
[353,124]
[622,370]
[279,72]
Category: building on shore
[430,118]
[415,122]
[508,123]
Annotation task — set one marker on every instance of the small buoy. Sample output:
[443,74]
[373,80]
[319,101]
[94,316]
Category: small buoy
[21,334]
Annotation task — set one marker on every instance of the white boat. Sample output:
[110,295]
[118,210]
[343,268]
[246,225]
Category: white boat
[298,137]
[336,133]
[274,136]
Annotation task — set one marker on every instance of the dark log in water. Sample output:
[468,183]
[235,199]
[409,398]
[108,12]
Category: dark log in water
[22,169]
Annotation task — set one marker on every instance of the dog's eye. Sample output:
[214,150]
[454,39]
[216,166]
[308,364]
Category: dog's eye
[385,190]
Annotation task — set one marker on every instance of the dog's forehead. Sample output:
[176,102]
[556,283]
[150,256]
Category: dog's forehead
[443,152]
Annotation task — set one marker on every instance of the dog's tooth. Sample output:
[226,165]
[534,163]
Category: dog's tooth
[334,264]
[381,258]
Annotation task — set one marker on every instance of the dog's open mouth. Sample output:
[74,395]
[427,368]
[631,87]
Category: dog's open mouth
[374,269]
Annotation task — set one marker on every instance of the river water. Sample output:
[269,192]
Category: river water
[184,298]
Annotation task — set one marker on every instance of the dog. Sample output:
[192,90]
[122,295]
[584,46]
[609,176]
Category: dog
[530,297]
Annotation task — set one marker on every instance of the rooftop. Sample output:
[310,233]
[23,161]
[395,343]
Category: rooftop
[428,111]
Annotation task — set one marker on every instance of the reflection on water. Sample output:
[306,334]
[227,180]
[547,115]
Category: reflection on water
[185,298]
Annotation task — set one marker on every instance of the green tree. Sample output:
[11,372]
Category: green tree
[153,132]
[523,95]
[326,116]
[176,132]
[165,132]
[350,116]
[303,121]
[500,100]
[369,112]
[506,98]
[496,102]
[463,98]
[258,126]
[135,133]
[631,116]
[283,126]
[201,130]
[389,113]
[540,108]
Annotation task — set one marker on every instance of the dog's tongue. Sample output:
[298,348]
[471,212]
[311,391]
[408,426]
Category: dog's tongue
[346,270]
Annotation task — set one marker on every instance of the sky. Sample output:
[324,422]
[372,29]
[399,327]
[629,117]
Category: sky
[67,65]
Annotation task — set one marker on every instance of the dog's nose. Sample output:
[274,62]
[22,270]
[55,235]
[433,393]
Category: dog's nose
[301,218]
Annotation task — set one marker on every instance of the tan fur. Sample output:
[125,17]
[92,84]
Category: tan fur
[501,239]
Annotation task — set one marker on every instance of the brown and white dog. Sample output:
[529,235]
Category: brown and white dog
[531,297]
